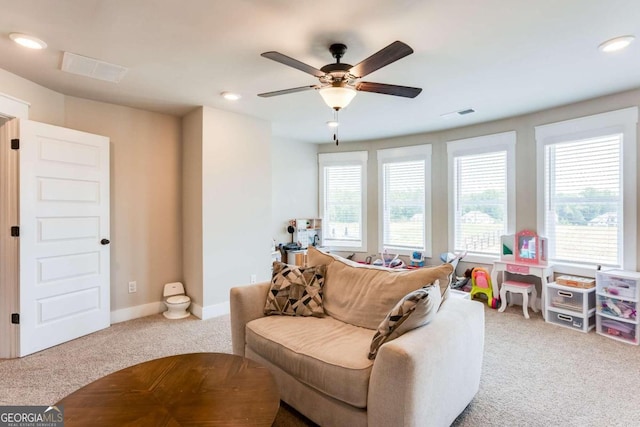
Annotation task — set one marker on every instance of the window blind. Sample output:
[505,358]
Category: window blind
[342,219]
[480,202]
[583,200]
[403,225]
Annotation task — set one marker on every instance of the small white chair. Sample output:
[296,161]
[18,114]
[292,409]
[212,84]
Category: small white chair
[520,288]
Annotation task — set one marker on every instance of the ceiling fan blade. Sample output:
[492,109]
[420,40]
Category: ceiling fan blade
[286,91]
[406,91]
[393,52]
[286,60]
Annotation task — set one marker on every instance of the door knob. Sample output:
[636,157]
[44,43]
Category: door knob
[104,242]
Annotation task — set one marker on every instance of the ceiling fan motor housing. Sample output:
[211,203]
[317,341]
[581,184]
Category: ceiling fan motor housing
[336,74]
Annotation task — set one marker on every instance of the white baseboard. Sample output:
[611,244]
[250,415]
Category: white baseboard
[143,310]
[210,311]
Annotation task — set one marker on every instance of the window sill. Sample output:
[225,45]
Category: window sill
[583,270]
[404,252]
[344,249]
[480,259]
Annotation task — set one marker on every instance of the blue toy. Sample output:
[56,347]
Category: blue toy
[417,260]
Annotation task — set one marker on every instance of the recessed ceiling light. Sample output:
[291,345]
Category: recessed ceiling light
[615,44]
[333,124]
[230,96]
[27,41]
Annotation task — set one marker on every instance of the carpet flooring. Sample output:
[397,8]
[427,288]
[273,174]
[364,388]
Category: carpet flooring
[534,373]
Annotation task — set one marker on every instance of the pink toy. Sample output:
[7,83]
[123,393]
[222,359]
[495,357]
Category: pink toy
[481,284]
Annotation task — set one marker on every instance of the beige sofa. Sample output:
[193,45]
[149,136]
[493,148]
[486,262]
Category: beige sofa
[425,377]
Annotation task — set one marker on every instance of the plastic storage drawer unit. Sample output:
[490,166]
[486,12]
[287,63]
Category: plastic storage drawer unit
[571,299]
[571,307]
[621,331]
[616,284]
[571,321]
[616,307]
[618,297]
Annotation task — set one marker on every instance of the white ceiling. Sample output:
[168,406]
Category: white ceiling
[501,57]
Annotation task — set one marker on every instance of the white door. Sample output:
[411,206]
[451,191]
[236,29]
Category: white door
[64,232]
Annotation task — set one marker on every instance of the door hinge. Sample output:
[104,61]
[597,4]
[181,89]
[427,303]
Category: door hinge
[15,231]
[15,144]
[15,318]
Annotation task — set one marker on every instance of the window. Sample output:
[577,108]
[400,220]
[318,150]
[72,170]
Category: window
[404,200]
[587,190]
[343,200]
[481,193]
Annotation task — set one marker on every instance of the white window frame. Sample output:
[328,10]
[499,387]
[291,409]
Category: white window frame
[401,154]
[344,159]
[505,141]
[623,122]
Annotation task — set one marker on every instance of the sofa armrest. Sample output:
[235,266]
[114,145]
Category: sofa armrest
[427,376]
[246,304]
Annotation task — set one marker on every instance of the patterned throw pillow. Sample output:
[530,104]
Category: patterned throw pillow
[296,291]
[415,309]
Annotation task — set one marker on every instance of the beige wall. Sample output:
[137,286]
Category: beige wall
[525,162]
[145,185]
[230,193]
[236,202]
[192,205]
[295,184]
[146,217]
[46,106]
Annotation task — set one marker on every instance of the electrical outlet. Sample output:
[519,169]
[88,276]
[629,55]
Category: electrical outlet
[253,279]
[133,287]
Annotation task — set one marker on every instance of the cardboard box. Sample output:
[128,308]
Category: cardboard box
[576,282]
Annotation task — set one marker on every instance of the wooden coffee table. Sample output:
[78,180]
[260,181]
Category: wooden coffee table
[199,389]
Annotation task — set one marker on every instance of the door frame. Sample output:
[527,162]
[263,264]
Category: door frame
[10,108]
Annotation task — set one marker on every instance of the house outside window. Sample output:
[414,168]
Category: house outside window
[587,191]
[343,200]
[481,194]
[404,200]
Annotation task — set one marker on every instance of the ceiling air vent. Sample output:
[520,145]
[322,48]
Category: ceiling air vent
[458,113]
[94,68]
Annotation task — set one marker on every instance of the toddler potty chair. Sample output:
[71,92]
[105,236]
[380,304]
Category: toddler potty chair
[176,301]
[481,284]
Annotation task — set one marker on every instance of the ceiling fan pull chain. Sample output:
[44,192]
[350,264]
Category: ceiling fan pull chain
[335,132]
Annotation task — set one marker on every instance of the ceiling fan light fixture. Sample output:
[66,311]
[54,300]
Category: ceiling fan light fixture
[27,41]
[616,44]
[337,97]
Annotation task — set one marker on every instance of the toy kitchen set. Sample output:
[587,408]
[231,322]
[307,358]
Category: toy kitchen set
[304,232]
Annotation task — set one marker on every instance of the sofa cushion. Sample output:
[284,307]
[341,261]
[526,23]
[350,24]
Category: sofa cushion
[323,353]
[318,257]
[296,291]
[362,295]
[415,309]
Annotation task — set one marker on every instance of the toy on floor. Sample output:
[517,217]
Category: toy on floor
[481,284]
[417,260]
[463,283]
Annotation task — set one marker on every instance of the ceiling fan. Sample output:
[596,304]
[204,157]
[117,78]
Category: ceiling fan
[339,82]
